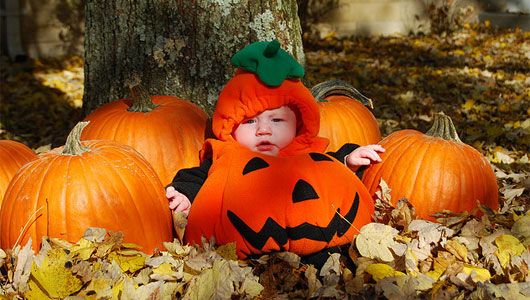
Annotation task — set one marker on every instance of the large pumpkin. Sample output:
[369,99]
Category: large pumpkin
[81,185]
[345,116]
[13,155]
[166,130]
[434,171]
[303,203]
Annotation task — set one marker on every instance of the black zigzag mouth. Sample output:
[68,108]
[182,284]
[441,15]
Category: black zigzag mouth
[271,229]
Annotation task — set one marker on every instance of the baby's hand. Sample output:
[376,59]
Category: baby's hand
[177,201]
[363,156]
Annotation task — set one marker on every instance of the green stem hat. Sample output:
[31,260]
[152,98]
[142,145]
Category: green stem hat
[269,62]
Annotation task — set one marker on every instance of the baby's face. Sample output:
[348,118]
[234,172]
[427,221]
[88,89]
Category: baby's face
[268,132]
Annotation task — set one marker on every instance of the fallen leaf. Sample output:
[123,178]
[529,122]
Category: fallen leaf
[457,249]
[476,274]
[508,246]
[375,240]
[380,271]
[23,267]
[521,229]
[54,276]
[312,281]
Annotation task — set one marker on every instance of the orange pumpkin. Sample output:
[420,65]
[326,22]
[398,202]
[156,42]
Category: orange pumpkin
[13,155]
[265,203]
[434,171]
[345,116]
[166,130]
[81,185]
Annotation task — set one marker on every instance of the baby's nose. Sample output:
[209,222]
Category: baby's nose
[263,129]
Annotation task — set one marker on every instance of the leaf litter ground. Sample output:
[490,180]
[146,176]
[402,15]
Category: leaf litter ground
[477,76]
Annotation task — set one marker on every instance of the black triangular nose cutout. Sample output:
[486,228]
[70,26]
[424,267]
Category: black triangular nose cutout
[319,157]
[303,191]
[254,164]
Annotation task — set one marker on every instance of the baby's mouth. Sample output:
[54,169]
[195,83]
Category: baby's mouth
[264,146]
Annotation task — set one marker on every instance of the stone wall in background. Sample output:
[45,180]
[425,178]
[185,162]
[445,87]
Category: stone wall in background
[53,28]
[48,28]
[383,17]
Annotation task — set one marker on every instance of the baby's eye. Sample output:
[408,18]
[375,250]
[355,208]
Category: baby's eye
[277,120]
[249,121]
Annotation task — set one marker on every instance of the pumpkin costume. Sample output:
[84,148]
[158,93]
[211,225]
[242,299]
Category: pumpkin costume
[302,200]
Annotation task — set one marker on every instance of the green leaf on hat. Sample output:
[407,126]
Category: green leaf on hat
[269,62]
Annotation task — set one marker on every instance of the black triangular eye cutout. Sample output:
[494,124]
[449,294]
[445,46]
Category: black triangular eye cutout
[319,157]
[255,164]
[303,191]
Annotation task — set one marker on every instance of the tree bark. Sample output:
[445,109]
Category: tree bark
[180,48]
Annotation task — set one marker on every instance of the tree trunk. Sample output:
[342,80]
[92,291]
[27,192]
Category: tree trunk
[180,48]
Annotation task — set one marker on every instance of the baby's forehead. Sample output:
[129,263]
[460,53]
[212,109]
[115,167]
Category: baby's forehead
[285,109]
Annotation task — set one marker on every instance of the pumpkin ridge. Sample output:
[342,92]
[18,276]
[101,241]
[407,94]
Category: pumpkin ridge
[395,160]
[97,179]
[419,172]
[65,168]
[482,175]
[48,177]
[141,166]
[469,180]
[8,210]
[486,172]
[440,192]
[411,147]
[112,173]
[344,123]
[38,170]
[137,209]
[356,115]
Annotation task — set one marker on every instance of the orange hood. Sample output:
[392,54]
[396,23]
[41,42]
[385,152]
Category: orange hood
[245,96]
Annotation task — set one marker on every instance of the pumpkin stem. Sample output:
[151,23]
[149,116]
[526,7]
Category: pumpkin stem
[444,128]
[73,144]
[141,101]
[339,88]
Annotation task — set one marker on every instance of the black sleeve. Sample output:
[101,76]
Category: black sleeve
[189,181]
[345,150]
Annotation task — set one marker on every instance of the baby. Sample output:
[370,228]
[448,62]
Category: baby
[267,167]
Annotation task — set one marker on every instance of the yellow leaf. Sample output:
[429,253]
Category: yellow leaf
[440,264]
[525,124]
[54,277]
[508,246]
[480,274]
[227,251]
[457,249]
[375,240]
[380,271]
[84,248]
[128,263]
[131,246]
[164,269]
[470,103]
[435,274]
[117,290]
[35,292]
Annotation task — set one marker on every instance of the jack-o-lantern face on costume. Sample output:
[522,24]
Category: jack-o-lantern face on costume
[303,204]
